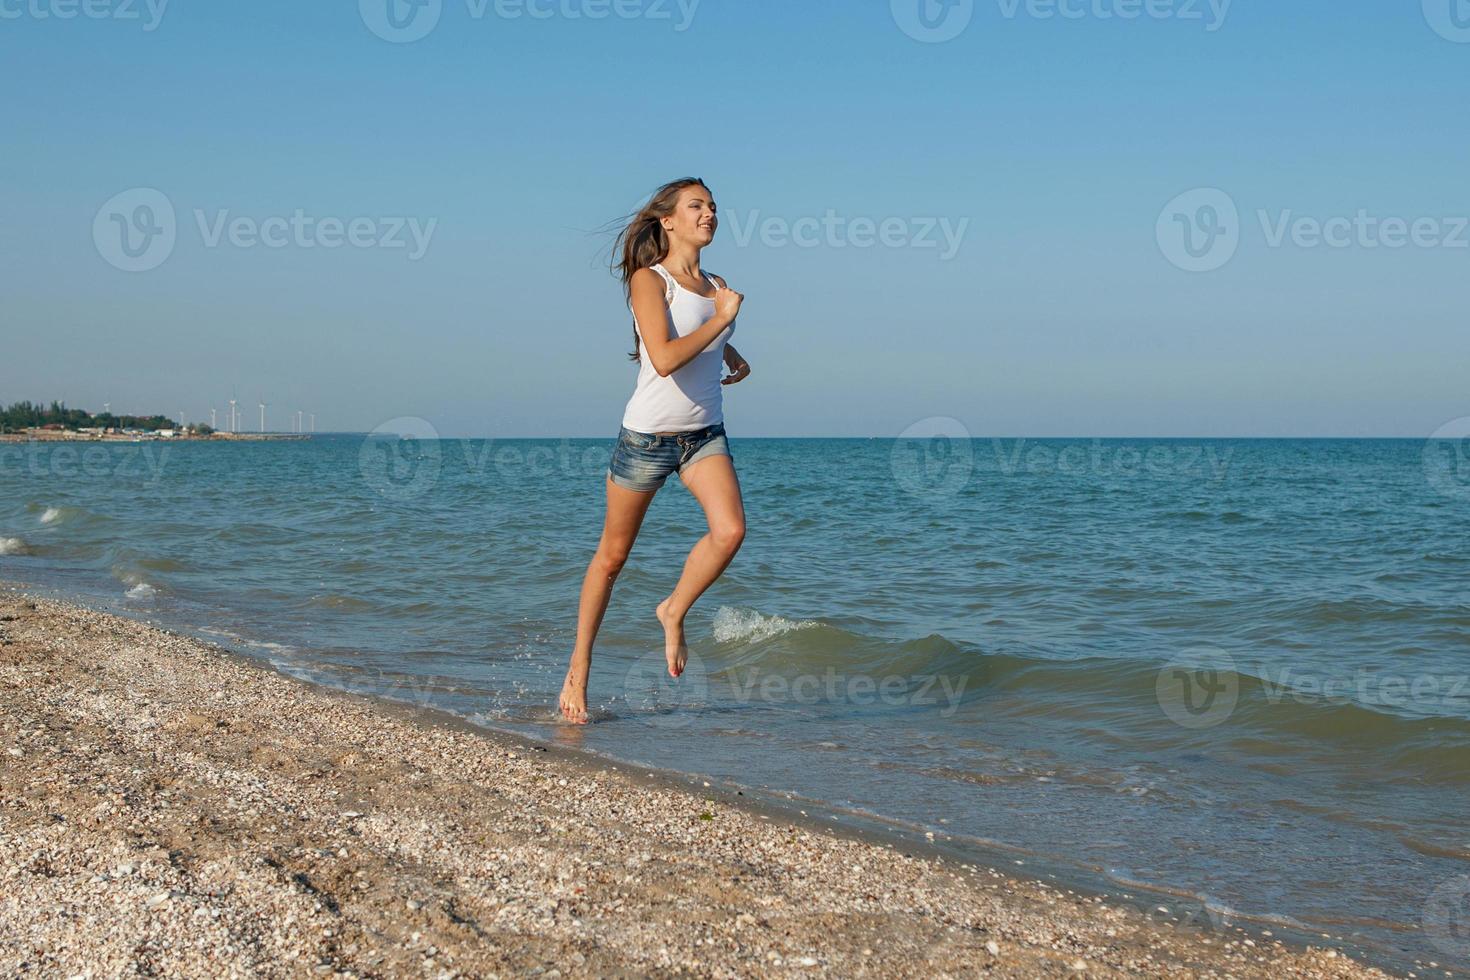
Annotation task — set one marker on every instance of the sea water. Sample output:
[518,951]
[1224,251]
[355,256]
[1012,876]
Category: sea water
[1227,672]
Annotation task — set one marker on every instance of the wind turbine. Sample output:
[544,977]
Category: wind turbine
[313,421]
[233,402]
[298,421]
[262,418]
[213,418]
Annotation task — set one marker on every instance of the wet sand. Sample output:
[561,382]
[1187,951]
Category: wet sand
[169,808]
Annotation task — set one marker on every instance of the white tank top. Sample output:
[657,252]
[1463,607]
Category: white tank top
[689,398]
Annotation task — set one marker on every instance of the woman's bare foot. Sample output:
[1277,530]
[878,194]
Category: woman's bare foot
[675,651]
[573,701]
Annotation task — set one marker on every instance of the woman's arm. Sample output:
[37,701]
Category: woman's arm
[740,370]
[668,354]
[737,365]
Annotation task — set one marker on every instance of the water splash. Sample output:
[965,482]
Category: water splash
[732,625]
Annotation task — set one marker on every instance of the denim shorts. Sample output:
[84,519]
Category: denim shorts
[643,460]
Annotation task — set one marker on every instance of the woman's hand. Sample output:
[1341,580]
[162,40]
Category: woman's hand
[727,303]
[739,367]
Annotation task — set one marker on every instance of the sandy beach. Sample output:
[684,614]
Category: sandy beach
[170,808]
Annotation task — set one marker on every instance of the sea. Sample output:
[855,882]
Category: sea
[1226,678]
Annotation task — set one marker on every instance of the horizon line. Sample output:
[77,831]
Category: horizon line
[1236,438]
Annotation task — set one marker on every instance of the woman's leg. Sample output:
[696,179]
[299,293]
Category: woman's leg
[713,482]
[625,510]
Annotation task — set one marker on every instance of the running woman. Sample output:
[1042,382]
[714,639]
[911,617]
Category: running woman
[683,318]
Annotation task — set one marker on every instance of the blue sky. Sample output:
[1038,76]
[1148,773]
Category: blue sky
[1047,145]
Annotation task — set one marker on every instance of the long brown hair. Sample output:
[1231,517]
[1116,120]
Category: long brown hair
[643,241]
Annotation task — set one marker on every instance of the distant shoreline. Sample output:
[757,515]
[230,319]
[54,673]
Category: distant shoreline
[66,436]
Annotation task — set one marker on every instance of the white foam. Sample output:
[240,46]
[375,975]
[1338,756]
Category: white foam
[297,671]
[142,591]
[51,516]
[14,546]
[747,624]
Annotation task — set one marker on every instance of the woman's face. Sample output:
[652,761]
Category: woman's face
[693,219]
